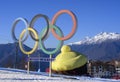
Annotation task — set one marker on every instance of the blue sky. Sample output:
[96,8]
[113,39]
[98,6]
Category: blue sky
[94,16]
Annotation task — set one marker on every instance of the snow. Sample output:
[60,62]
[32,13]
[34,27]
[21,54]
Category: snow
[98,38]
[15,75]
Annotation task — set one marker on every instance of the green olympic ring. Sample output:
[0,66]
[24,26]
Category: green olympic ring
[60,41]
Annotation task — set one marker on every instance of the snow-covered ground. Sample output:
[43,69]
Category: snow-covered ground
[13,75]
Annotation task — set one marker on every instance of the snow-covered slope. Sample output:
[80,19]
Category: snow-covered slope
[13,75]
[103,36]
[104,46]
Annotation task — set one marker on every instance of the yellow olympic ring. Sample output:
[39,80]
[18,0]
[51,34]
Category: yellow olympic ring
[36,42]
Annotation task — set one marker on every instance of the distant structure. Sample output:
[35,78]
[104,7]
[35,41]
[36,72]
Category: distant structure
[117,67]
[103,69]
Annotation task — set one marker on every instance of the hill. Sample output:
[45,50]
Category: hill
[104,46]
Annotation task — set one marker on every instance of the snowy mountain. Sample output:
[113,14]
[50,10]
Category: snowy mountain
[104,46]
[99,38]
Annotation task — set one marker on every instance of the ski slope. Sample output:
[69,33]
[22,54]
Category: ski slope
[14,75]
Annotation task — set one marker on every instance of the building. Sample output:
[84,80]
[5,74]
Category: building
[101,69]
[117,67]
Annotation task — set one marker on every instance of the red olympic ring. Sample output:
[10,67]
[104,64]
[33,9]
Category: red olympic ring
[73,28]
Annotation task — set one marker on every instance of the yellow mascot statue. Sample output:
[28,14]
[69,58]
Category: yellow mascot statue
[69,62]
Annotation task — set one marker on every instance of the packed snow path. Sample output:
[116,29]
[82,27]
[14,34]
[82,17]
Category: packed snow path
[13,75]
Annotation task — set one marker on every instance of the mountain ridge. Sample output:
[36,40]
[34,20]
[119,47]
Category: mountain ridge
[101,37]
[104,46]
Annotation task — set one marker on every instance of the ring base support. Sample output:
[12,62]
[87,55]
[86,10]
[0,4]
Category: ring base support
[50,66]
[28,65]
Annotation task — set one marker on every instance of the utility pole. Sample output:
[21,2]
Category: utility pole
[16,54]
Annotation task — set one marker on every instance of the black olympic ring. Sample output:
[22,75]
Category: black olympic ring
[32,24]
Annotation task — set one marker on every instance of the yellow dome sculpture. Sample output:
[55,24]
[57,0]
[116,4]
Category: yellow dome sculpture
[68,60]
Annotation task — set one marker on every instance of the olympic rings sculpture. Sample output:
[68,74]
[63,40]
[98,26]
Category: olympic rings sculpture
[39,39]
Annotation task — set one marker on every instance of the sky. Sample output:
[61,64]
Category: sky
[93,17]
